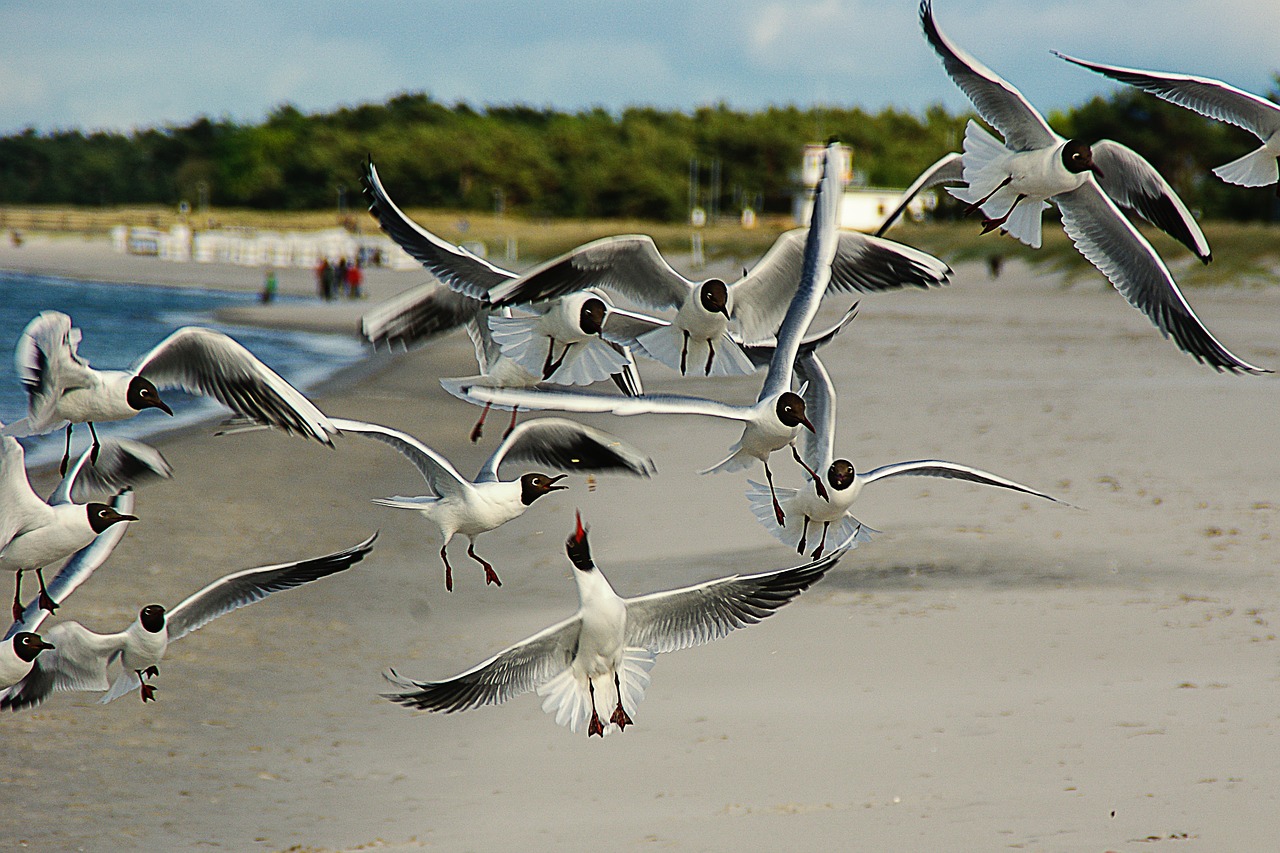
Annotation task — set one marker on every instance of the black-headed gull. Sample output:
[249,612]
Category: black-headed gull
[769,424]
[632,266]
[1217,100]
[33,533]
[459,506]
[601,656]
[81,656]
[844,483]
[18,655]
[528,339]
[1016,179]
[62,389]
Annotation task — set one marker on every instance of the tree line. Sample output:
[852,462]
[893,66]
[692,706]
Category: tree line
[638,163]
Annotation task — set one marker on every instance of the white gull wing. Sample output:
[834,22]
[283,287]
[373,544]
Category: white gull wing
[629,264]
[948,169]
[439,472]
[1204,95]
[202,361]
[691,616]
[240,589]
[949,471]
[762,353]
[1111,243]
[999,103]
[418,315]
[459,269]
[569,446]
[48,364]
[77,662]
[817,449]
[514,670]
[862,264]
[1134,183]
[78,569]
[122,463]
[587,402]
[20,507]
[815,272]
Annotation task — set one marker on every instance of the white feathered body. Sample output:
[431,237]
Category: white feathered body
[141,649]
[799,504]
[12,668]
[1038,174]
[705,328]
[763,434]
[59,534]
[525,341]
[470,512]
[104,400]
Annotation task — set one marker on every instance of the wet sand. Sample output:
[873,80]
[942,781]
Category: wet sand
[991,672]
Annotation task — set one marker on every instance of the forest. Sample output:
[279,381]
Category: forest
[641,163]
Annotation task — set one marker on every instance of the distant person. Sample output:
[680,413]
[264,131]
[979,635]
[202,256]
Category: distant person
[355,278]
[994,262]
[16,237]
[340,275]
[269,286]
[324,280]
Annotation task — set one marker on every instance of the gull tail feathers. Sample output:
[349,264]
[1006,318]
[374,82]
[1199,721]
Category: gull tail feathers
[125,683]
[981,152]
[592,361]
[401,502]
[762,509]
[520,341]
[735,461]
[568,697]
[1255,169]
[1024,223]
[666,343]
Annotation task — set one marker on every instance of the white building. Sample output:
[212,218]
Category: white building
[862,208]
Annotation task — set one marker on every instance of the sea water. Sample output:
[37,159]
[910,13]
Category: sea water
[122,322]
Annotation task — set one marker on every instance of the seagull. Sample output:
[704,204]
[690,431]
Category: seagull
[1217,100]
[610,644]
[632,265]
[62,389]
[769,424]
[81,656]
[429,310]
[17,656]
[472,507]
[947,169]
[844,482]
[1035,165]
[34,533]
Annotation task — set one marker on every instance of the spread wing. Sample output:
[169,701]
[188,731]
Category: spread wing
[122,464]
[691,616]
[244,588]
[202,361]
[817,448]
[456,267]
[439,473]
[418,315]
[77,661]
[1203,95]
[588,402]
[949,169]
[48,364]
[999,103]
[1134,183]
[567,445]
[20,507]
[1111,243]
[629,264]
[512,671]
[950,471]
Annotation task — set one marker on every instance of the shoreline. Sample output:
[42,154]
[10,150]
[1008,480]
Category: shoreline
[991,671]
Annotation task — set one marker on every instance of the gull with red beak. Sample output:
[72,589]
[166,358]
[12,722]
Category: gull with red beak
[1013,182]
[472,507]
[775,419]
[600,657]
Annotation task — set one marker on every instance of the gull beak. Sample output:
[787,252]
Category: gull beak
[128,518]
[43,645]
[808,425]
[163,406]
[551,483]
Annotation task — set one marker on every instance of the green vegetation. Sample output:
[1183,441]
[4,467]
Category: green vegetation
[542,163]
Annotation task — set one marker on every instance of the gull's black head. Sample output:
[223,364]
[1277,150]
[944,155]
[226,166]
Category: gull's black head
[791,410]
[141,394]
[534,486]
[1077,156]
[152,618]
[102,516]
[841,474]
[577,548]
[27,645]
[714,296]
[591,317]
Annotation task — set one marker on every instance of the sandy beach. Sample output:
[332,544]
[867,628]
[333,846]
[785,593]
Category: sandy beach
[991,672]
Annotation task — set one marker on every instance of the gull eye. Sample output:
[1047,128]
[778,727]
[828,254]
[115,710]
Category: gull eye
[102,513]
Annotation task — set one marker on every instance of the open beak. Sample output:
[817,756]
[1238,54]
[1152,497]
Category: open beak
[551,483]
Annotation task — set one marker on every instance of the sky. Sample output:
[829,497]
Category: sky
[117,65]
